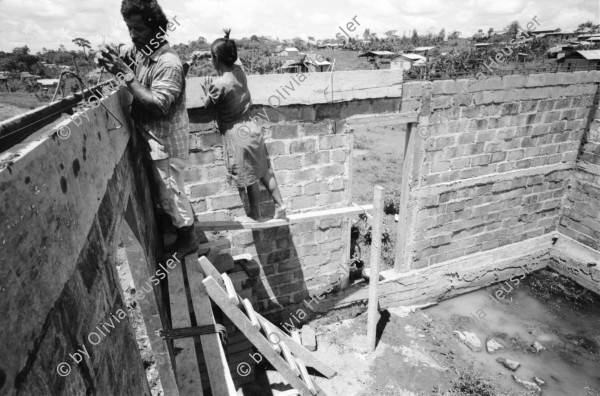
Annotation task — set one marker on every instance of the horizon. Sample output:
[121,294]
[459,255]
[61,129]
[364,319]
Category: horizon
[39,24]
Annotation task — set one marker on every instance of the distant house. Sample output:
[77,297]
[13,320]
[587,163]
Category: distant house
[309,63]
[27,76]
[378,54]
[406,61]
[48,82]
[580,60]
[554,52]
[561,36]
[328,45]
[422,50]
[479,36]
[287,52]
[374,56]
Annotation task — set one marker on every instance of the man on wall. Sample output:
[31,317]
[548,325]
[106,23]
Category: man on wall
[154,74]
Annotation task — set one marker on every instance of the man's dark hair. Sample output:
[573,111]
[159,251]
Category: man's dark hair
[151,13]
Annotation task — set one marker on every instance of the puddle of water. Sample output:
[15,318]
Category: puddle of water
[570,364]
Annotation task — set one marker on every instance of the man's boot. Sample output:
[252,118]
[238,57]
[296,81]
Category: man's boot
[186,242]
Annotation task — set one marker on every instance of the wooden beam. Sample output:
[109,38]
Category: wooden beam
[250,312]
[373,312]
[221,383]
[187,368]
[400,264]
[293,219]
[218,295]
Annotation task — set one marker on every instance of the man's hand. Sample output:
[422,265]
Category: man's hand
[110,60]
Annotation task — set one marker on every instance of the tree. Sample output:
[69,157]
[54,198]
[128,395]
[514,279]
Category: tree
[490,32]
[390,33]
[512,29]
[254,37]
[415,37]
[588,24]
[83,43]
[441,36]
[454,35]
[311,38]
[367,34]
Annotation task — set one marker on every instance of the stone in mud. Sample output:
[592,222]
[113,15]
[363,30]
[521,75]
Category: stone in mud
[509,364]
[469,339]
[539,381]
[309,338]
[530,386]
[537,347]
[493,346]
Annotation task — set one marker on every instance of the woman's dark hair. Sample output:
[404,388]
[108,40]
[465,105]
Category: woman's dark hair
[151,13]
[225,49]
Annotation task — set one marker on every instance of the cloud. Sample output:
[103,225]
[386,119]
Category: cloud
[49,23]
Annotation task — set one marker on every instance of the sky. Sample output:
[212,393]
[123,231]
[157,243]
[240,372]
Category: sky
[50,23]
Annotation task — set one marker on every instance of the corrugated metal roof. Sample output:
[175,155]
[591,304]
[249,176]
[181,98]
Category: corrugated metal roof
[412,57]
[377,53]
[590,54]
[423,48]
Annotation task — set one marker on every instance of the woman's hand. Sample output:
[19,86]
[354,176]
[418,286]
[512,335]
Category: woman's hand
[206,83]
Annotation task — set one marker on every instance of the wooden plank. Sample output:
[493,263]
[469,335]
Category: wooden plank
[187,369]
[373,312]
[293,219]
[295,334]
[233,297]
[220,298]
[219,375]
[271,334]
[300,352]
[296,349]
[250,312]
[287,355]
[209,270]
[304,374]
[403,228]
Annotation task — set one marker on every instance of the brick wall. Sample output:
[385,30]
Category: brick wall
[581,212]
[309,143]
[494,159]
[61,213]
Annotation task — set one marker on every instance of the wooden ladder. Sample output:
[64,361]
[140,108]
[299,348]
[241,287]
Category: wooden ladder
[285,354]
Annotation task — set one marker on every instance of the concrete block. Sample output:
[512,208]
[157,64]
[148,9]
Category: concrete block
[276,148]
[284,131]
[318,158]
[303,146]
[225,202]
[204,189]
[287,162]
[331,170]
[317,129]
[333,141]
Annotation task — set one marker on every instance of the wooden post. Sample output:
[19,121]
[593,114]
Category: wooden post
[400,264]
[373,314]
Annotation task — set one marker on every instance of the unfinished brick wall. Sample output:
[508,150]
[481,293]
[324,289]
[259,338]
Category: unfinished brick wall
[495,162]
[61,214]
[579,255]
[309,143]
[581,212]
